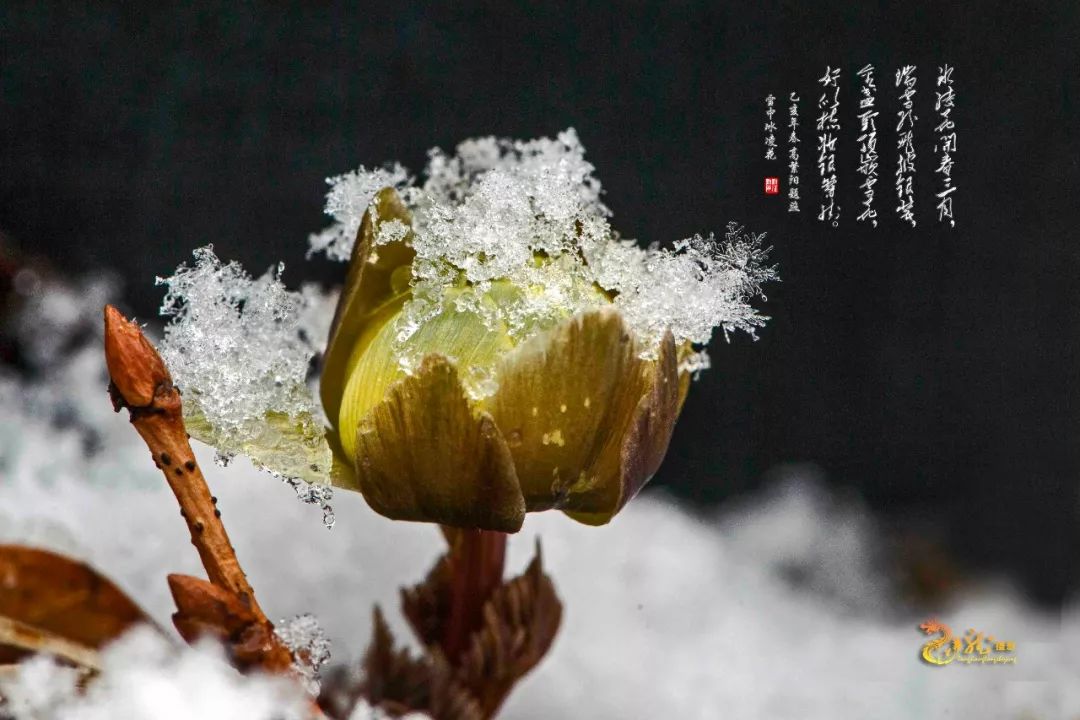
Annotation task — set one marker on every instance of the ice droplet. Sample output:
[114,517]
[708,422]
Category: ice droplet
[318,495]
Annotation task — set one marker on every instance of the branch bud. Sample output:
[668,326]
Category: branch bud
[136,369]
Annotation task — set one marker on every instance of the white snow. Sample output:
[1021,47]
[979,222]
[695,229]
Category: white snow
[667,614]
[528,214]
[234,344]
[346,202]
[146,676]
[240,349]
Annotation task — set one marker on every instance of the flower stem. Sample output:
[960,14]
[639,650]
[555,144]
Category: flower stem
[476,562]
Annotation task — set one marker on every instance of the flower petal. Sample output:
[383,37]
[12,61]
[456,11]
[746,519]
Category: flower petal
[645,442]
[682,351]
[565,401]
[425,454]
[376,362]
[369,283]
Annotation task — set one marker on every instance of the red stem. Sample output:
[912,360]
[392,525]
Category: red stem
[476,572]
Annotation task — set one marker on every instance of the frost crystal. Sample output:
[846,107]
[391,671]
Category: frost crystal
[315,494]
[238,350]
[347,200]
[521,224]
[450,178]
[308,643]
[234,345]
[692,289]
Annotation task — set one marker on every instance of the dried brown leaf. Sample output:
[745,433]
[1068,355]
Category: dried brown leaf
[55,604]
[20,640]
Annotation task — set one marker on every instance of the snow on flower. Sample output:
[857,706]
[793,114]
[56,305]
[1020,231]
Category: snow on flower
[529,213]
[346,202]
[512,232]
[237,336]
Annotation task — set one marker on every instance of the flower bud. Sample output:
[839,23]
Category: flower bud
[465,424]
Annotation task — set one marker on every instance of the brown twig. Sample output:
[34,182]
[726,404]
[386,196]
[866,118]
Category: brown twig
[142,384]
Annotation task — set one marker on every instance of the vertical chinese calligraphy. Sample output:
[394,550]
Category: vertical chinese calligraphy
[828,126]
[905,142]
[868,156]
[872,136]
[946,142]
[770,127]
[793,153]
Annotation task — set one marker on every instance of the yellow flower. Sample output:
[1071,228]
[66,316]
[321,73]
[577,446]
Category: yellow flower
[484,427]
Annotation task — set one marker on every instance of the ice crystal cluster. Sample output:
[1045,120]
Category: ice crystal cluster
[308,643]
[521,225]
[241,332]
[239,348]
[347,201]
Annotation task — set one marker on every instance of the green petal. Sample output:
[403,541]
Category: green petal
[375,362]
[425,454]
[369,284]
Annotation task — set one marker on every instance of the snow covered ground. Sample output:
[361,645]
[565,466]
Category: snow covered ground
[668,614]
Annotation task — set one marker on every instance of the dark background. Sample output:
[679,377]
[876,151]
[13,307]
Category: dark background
[933,370]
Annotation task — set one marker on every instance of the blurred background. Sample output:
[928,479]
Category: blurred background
[931,371]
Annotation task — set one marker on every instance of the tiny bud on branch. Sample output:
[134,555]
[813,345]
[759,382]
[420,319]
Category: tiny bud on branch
[136,368]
